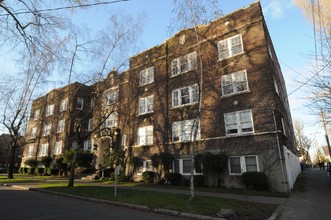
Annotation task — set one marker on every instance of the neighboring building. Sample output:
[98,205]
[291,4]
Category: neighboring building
[230,80]
[4,154]
[53,120]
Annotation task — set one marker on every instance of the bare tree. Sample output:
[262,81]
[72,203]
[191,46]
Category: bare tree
[113,47]
[319,14]
[190,14]
[303,142]
[34,34]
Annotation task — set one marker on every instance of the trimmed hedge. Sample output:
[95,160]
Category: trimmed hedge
[148,177]
[173,178]
[255,180]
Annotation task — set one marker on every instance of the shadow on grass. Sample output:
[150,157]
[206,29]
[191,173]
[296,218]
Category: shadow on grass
[219,190]
[200,205]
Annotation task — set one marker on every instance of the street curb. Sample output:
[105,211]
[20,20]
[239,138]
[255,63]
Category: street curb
[133,206]
[276,213]
[128,205]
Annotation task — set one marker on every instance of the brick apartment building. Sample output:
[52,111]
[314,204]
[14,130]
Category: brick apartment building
[223,77]
[4,154]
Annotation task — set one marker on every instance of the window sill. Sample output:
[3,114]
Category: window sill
[234,94]
[173,76]
[220,60]
[181,106]
[145,84]
[239,135]
[146,113]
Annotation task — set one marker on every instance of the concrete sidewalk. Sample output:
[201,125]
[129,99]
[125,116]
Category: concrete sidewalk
[313,202]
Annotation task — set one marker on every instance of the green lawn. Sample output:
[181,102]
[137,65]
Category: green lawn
[201,205]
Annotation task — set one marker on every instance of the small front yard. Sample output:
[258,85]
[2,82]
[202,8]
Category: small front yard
[201,205]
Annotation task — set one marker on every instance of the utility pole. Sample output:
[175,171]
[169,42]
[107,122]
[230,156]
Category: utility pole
[325,132]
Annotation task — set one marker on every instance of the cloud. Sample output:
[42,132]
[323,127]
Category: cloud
[277,8]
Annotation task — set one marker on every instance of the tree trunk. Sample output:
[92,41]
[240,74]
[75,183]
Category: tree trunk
[11,161]
[72,171]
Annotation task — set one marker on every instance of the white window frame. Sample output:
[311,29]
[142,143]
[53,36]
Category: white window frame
[64,105]
[226,47]
[88,145]
[33,133]
[146,76]
[90,124]
[49,110]
[36,114]
[145,167]
[80,103]
[111,121]
[47,129]
[145,136]
[30,151]
[111,96]
[283,126]
[60,125]
[182,131]
[178,96]
[43,151]
[146,105]
[58,147]
[238,123]
[183,64]
[92,102]
[181,166]
[243,165]
[237,80]
[123,140]
[276,86]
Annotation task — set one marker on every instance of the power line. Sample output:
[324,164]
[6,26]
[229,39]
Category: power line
[309,79]
[67,7]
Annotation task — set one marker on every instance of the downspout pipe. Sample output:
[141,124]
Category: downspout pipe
[279,152]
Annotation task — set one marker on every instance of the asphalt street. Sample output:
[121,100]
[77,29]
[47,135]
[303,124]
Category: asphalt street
[18,204]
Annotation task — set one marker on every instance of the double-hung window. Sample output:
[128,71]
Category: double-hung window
[146,76]
[234,83]
[88,145]
[80,103]
[47,129]
[186,95]
[111,96]
[90,124]
[230,47]
[49,110]
[183,166]
[146,105]
[58,147]
[145,135]
[61,125]
[30,151]
[63,105]
[242,164]
[111,121]
[183,64]
[33,132]
[144,165]
[36,114]
[43,151]
[239,122]
[185,130]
